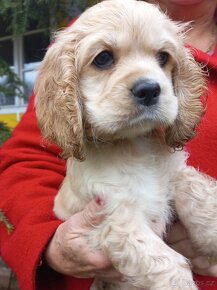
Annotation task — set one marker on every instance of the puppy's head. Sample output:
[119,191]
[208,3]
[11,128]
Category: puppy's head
[119,71]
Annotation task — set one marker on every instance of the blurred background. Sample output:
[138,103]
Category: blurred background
[26,28]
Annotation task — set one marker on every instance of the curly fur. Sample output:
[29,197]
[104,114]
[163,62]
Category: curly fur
[93,116]
[189,89]
[59,106]
[60,99]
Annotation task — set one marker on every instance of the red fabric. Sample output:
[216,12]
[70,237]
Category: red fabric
[30,178]
[203,148]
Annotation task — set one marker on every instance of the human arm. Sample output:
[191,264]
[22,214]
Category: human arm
[69,253]
[30,177]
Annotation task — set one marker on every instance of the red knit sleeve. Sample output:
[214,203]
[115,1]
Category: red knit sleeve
[30,177]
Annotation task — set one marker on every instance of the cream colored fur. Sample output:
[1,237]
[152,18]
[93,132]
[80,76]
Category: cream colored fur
[127,148]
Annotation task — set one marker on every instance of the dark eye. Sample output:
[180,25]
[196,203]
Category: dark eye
[163,58]
[104,59]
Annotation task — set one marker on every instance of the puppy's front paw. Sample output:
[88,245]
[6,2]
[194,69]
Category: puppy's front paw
[195,204]
[176,277]
[183,279]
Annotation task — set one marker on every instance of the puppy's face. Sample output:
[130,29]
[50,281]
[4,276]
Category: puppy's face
[117,72]
[126,69]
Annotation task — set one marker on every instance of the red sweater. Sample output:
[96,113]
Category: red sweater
[31,175]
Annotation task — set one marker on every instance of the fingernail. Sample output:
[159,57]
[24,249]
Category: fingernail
[99,201]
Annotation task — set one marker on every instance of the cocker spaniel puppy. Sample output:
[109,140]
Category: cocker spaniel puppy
[119,91]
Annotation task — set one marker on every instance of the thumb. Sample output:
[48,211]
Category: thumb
[93,214]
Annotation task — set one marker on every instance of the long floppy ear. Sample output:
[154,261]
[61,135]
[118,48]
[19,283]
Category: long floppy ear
[58,105]
[189,87]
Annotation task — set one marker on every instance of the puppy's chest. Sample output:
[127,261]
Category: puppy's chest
[137,172]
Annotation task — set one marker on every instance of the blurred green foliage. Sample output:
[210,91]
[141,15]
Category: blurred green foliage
[19,15]
[12,84]
[5,133]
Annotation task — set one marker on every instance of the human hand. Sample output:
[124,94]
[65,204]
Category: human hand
[178,239]
[69,252]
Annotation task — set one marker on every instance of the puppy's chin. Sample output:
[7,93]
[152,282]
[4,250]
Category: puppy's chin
[120,115]
[135,130]
[141,123]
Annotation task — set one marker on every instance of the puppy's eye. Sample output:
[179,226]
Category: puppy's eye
[163,58]
[104,59]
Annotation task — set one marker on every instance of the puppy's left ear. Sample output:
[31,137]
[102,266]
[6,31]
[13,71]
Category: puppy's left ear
[189,87]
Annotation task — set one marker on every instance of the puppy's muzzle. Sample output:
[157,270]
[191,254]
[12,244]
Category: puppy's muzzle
[146,92]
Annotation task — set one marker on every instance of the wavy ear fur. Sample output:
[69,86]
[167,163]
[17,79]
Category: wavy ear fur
[189,86]
[58,105]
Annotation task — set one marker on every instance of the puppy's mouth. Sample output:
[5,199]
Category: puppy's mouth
[138,110]
[145,94]
[143,116]
[140,120]
[149,109]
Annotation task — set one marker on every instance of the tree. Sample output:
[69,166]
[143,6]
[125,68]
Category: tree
[12,84]
[46,13]
[20,15]
[5,133]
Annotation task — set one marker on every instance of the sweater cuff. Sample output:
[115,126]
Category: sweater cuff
[25,260]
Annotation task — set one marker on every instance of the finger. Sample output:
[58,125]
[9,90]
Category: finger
[200,262]
[90,272]
[83,275]
[93,215]
[99,261]
[176,233]
[81,252]
[110,275]
[201,265]
[210,272]
[185,248]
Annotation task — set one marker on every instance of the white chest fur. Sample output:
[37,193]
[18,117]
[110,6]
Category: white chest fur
[136,171]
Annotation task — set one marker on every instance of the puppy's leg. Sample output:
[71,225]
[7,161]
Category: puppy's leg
[140,255]
[196,205]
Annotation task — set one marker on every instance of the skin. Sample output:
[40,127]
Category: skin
[203,32]
[68,251]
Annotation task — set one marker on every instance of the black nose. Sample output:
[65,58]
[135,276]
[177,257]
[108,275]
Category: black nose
[146,92]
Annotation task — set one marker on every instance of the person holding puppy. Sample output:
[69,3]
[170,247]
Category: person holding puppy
[48,254]
[202,37]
